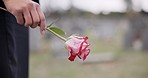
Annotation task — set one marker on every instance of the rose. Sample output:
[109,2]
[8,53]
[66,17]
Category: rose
[77,46]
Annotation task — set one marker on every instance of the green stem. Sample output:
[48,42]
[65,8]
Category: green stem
[59,36]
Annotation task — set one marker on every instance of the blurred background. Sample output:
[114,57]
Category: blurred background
[117,31]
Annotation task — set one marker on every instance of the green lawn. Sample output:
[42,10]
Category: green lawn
[127,65]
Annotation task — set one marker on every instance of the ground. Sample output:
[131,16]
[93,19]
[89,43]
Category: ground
[127,65]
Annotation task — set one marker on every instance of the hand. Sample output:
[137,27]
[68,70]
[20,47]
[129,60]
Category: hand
[27,13]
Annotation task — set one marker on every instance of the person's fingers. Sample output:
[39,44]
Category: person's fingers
[42,19]
[27,17]
[35,17]
[19,17]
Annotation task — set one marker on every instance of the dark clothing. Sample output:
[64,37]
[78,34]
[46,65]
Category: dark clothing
[14,47]
[4,69]
[2,4]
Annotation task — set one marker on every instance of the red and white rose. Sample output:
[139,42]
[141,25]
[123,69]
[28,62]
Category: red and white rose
[77,46]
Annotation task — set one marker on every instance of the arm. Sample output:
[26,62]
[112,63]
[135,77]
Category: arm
[26,12]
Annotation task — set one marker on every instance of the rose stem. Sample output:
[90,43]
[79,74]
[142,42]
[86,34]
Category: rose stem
[59,36]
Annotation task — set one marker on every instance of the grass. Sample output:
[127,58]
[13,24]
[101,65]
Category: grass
[128,65]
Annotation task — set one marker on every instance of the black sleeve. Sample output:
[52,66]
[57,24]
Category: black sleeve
[2,4]
[36,1]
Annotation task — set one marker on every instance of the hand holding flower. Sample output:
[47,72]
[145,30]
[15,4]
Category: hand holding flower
[76,45]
